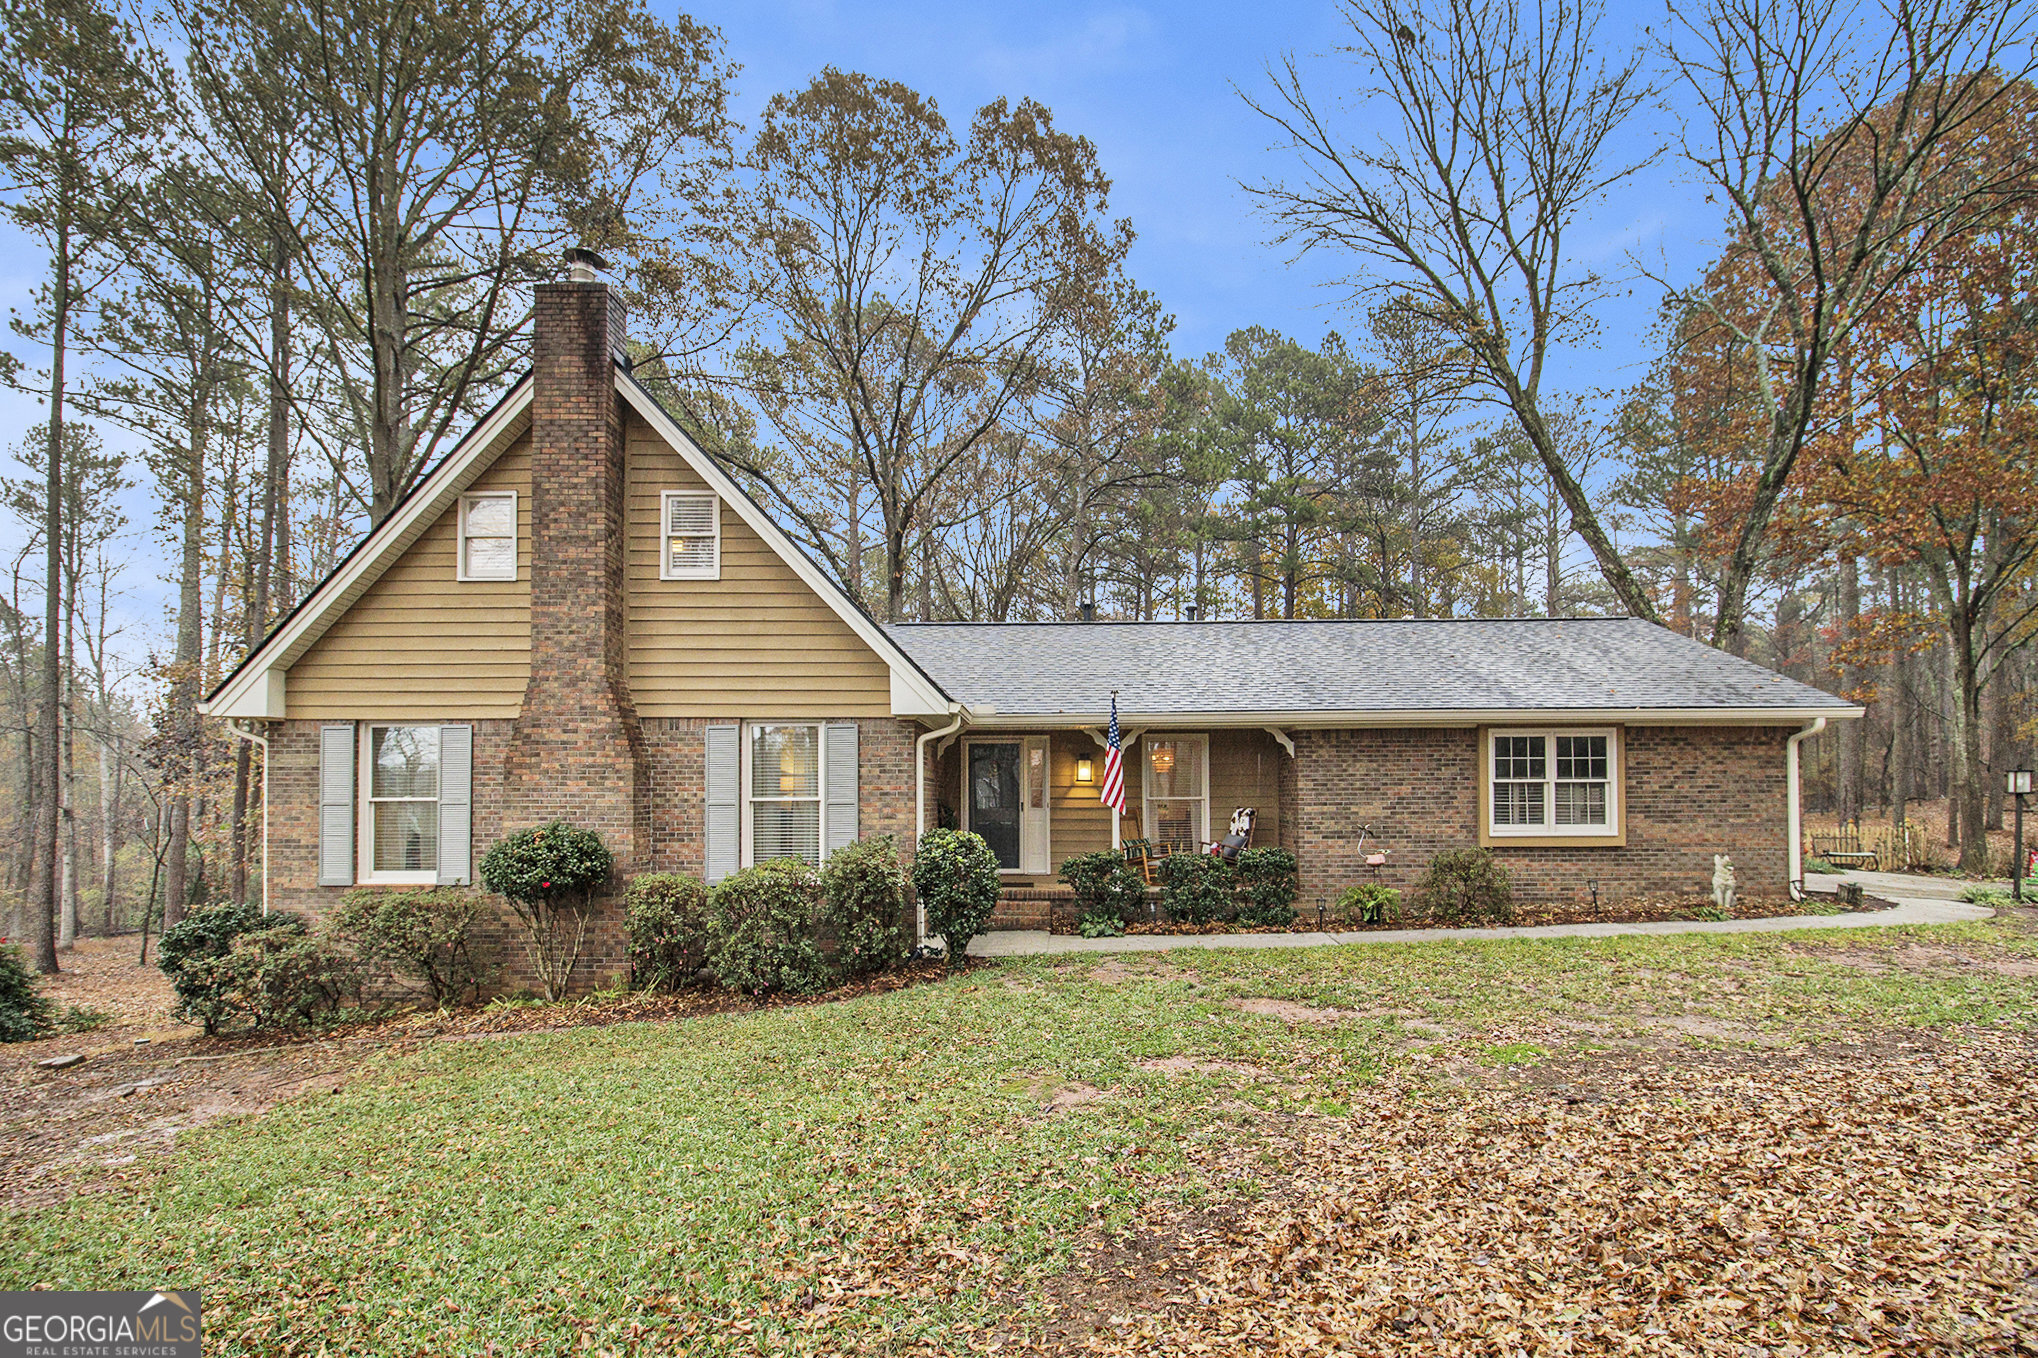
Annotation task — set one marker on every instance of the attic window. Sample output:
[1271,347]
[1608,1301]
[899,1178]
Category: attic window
[488,536]
[693,536]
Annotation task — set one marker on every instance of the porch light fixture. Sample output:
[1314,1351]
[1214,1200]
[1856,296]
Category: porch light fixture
[1085,770]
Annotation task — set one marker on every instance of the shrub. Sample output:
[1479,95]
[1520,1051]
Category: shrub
[955,875]
[1196,888]
[763,923]
[1369,903]
[549,876]
[1266,887]
[864,890]
[669,923]
[230,962]
[24,1012]
[201,937]
[1108,892]
[1466,885]
[424,939]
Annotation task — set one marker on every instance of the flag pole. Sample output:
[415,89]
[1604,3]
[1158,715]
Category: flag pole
[1117,832]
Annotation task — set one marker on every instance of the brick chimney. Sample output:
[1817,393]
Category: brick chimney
[577,752]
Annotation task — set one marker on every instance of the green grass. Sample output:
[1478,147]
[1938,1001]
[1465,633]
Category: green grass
[701,1183]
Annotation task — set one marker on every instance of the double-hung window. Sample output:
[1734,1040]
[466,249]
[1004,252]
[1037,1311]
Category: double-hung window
[1553,783]
[784,801]
[692,541]
[400,824]
[488,535]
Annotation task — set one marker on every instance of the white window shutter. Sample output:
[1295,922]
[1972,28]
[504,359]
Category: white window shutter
[336,806]
[456,805]
[840,790]
[725,804]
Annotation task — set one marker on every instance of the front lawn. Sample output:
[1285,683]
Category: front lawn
[1428,1144]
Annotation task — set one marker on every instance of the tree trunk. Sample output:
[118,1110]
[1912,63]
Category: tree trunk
[42,877]
[1848,793]
[184,692]
[109,827]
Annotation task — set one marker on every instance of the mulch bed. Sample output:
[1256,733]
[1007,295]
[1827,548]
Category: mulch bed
[1638,910]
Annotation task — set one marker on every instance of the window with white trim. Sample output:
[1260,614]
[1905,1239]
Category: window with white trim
[400,803]
[1553,782]
[783,805]
[488,535]
[692,535]
[1175,792]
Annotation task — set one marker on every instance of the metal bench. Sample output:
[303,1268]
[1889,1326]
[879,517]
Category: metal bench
[1842,848]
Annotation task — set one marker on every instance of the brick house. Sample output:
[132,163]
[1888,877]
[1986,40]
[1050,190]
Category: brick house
[578,614]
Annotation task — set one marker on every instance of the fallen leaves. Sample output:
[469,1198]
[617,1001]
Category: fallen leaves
[1869,1200]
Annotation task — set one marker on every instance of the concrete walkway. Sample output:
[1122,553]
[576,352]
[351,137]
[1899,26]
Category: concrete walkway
[1914,905]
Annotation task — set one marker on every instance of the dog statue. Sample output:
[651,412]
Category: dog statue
[1724,886]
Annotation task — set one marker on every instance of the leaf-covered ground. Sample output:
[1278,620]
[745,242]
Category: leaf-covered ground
[1732,1144]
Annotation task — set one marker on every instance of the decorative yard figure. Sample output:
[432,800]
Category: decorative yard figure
[1723,883]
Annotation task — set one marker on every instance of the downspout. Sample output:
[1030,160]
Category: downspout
[263,742]
[919,805]
[1796,809]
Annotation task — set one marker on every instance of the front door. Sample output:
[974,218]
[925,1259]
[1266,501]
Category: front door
[994,799]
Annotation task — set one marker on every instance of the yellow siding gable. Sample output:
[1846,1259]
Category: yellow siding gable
[422,645]
[756,643]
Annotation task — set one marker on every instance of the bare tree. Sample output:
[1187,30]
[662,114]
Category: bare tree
[905,284]
[1824,129]
[1504,126]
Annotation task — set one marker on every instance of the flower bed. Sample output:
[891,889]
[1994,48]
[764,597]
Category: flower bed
[1636,910]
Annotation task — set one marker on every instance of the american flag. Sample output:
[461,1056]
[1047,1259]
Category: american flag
[1114,765]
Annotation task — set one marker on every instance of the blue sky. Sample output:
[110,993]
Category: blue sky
[1152,86]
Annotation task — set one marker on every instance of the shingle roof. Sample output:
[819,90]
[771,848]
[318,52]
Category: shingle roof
[1469,665]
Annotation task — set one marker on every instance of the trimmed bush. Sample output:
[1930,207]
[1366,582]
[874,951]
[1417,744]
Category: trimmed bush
[233,963]
[1368,903]
[955,875]
[1196,888]
[24,1011]
[1109,894]
[864,890]
[763,928]
[201,937]
[424,939]
[1466,886]
[670,927]
[1267,884]
[549,876]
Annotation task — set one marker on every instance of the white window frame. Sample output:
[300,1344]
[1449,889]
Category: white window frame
[665,536]
[516,538]
[1549,829]
[364,761]
[748,857]
[1146,792]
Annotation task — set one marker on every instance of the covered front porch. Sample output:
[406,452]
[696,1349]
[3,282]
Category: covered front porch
[1035,794]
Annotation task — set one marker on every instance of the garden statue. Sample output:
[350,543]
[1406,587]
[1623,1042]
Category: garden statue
[1723,884]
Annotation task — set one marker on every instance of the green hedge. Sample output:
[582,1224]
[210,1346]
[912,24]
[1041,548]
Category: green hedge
[671,927]
[955,875]
[763,929]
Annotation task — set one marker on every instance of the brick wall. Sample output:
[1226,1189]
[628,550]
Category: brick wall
[1691,792]
[675,802]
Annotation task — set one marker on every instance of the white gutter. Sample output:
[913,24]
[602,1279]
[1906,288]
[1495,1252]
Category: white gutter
[920,804]
[1796,809]
[1092,723]
[262,741]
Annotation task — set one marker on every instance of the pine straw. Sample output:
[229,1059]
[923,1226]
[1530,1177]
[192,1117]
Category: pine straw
[1865,1200]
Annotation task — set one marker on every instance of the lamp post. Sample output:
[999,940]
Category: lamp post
[2019,786]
